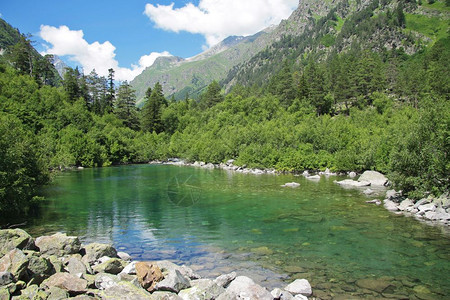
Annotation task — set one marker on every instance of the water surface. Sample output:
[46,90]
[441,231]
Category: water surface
[219,221]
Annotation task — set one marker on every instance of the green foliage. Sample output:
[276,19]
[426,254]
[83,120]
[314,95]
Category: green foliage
[152,110]
[125,106]
[21,169]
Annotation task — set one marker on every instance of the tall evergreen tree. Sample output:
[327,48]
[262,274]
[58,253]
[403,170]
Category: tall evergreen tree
[71,85]
[125,107]
[111,93]
[212,96]
[152,110]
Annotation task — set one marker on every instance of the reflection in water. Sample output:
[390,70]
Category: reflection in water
[221,221]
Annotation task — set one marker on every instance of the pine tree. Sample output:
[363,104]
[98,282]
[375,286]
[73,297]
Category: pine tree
[111,93]
[152,110]
[212,96]
[125,107]
[71,85]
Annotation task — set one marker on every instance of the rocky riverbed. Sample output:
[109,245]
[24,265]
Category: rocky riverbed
[60,267]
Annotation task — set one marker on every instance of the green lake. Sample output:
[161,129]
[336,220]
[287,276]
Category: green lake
[219,221]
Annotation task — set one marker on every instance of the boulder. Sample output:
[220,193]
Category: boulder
[393,195]
[368,192]
[112,266]
[244,287]
[56,293]
[130,268]
[352,183]
[95,251]
[374,178]
[291,184]
[262,251]
[148,274]
[427,207]
[173,281]
[76,267]
[4,294]
[56,263]
[421,202]
[225,279]
[374,201]
[390,205]
[167,266]
[68,282]
[125,291]
[58,244]
[158,295]
[299,286]
[14,238]
[352,174]
[202,289]
[33,292]
[104,281]
[373,284]
[39,268]
[276,293]
[6,278]
[124,256]
[314,177]
[405,204]
[14,262]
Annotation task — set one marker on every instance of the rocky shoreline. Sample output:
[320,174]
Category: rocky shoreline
[60,267]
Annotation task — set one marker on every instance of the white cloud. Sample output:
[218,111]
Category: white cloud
[218,19]
[98,56]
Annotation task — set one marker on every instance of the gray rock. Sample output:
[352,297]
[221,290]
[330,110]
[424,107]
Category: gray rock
[405,204]
[124,256]
[299,286]
[352,174]
[225,279]
[276,293]
[158,295]
[33,292]
[390,205]
[76,267]
[285,295]
[39,268]
[56,293]
[56,263]
[444,216]
[373,284]
[368,192]
[68,282]
[375,201]
[112,266]
[421,202]
[125,291]
[393,195]
[130,268]
[202,289]
[244,287]
[14,238]
[352,183]
[314,177]
[300,297]
[4,294]
[14,262]
[173,281]
[305,173]
[6,278]
[374,178]
[96,250]
[430,215]
[427,207]
[291,184]
[104,281]
[167,266]
[443,201]
[58,244]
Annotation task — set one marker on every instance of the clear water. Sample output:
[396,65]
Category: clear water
[219,221]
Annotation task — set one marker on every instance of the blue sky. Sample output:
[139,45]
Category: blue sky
[129,35]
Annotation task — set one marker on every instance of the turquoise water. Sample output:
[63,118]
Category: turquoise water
[218,221]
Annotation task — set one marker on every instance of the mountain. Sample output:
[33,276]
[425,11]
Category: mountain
[60,65]
[314,30]
[319,28]
[180,77]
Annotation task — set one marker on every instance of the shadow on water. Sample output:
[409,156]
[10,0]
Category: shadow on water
[219,221]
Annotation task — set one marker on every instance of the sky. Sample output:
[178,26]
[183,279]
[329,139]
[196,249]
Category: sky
[129,35]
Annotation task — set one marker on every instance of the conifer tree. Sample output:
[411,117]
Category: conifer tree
[125,107]
[152,110]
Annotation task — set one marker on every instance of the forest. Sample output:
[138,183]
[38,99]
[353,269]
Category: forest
[355,110]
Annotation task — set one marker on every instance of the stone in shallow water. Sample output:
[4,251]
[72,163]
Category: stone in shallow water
[262,251]
[291,184]
[299,286]
[294,269]
[373,284]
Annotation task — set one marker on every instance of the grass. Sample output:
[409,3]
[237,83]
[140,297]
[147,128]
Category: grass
[433,28]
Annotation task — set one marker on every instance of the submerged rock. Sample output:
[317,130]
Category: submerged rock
[352,183]
[390,205]
[373,284]
[291,184]
[314,177]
